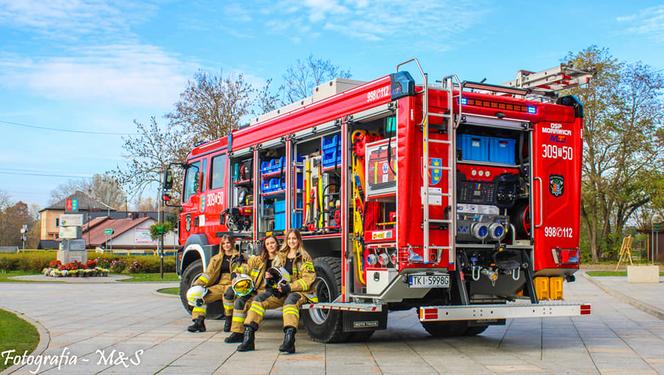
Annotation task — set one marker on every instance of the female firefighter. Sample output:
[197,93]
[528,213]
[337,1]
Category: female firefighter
[256,268]
[213,283]
[294,262]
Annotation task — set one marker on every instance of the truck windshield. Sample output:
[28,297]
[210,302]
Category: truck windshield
[191,180]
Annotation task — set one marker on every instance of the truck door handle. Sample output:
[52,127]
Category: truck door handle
[541,205]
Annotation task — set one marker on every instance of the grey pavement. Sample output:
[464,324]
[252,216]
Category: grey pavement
[648,297]
[98,321]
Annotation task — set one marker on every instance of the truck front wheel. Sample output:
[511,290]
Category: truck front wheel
[190,274]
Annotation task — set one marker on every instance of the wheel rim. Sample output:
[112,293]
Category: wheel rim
[319,316]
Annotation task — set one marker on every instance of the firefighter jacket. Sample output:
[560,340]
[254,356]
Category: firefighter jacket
[256,269]
[213,276]
[304,273]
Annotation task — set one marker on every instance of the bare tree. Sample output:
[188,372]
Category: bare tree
[303,76]
[148,153]
[68,188]
[107,189]
[146,204]
[5,200]
[212,106]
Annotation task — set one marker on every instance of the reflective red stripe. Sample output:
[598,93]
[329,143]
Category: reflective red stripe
[585,309]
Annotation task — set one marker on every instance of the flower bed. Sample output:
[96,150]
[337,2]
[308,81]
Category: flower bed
[75,269]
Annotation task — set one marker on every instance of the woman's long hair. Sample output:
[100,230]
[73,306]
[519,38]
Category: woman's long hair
[229,238]
[300,245]
[265,256]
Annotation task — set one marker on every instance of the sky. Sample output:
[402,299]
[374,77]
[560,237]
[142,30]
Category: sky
[75,74]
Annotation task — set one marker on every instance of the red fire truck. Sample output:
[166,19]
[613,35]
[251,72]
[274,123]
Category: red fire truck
[459,199]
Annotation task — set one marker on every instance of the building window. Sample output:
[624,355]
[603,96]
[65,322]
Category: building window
[57,221]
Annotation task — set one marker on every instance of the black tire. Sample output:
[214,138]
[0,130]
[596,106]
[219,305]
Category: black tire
[360,336]
[215,310]
[445,329]
[476,330]
[326,326]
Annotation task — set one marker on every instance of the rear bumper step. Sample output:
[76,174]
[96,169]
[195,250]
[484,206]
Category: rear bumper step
[507,311]
[344,306]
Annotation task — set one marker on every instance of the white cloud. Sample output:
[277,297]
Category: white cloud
[434,22]
[129,74]
[648,22]
[71,19]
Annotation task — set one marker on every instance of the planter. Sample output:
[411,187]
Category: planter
[643,274]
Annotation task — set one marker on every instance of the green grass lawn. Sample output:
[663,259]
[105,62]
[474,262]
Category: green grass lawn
[5,275]
[174,291]
[16,334]
[611,273]
[151,277]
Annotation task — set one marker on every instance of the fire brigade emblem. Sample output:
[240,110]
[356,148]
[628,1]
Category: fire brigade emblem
[436,171]
[556,185]
[187,223]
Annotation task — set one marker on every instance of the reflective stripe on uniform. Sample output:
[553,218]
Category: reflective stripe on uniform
[238,319]
[303,283]
[229,305]
[258,309]
[292,310]
[199,310]
[204,278]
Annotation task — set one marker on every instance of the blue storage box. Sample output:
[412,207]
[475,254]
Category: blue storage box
[265,166]
[280,221]
[275,165]
[331,157]
[296,220]
[273,184]
[330,142]
[279,206]
[501,150]
[473,147]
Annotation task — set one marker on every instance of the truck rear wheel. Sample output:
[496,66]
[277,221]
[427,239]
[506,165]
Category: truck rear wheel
[190,274]
[326,325]
[476,330]
[445,329]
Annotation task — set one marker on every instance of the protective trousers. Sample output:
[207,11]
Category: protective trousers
[215,293]
[239,311]
[262,302]
[291,309]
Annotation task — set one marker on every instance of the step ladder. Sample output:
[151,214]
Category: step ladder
[452,122]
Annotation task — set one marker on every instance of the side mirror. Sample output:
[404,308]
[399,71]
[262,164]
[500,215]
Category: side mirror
[167,180]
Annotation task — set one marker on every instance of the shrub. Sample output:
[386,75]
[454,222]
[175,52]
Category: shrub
[117,266]
[36,261]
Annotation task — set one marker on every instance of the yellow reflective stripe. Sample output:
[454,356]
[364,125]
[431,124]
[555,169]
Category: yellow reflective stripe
[201,309]
[290,308]
[238,319]
[314,299]
[304,284]
[254,273]
[204,278]
[259,312]
[229,304]
[257,305]
[292,312]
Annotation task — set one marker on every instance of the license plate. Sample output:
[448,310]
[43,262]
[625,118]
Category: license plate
[429,281]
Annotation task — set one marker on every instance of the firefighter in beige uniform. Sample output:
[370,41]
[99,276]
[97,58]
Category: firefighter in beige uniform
[213,283]
[296,262]
[256,268]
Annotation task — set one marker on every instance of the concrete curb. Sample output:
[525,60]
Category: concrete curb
[157,293]
[647,308]
[44,339]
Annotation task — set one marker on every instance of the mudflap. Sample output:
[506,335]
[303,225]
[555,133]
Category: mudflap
[355,321]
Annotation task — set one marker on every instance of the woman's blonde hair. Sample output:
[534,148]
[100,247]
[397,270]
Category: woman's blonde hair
[298,235]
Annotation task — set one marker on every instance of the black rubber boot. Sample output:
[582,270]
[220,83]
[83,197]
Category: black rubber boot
[288,345]
[247,340]
[227,323]
[198,326]
[234,338]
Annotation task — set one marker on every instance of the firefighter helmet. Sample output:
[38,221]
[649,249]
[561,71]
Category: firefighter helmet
[280,276]
[243,285]
[195,295]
